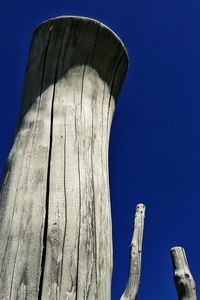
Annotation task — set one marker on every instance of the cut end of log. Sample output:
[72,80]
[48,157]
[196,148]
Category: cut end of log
[86,20]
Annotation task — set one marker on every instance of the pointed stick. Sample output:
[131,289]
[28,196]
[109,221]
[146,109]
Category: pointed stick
[183,279]
[135,255]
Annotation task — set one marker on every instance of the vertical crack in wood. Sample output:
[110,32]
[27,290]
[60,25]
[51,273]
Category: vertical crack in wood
[65,196]
[82,83]
[92,169]
[45,230]
[79,233]
[93,200]
[87,62]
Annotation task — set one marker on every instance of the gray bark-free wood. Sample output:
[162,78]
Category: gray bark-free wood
[183,279]
[55,220]
[132,287]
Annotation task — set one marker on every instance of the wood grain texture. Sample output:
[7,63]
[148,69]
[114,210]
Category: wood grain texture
[132,287]
[183,279]
[55,219]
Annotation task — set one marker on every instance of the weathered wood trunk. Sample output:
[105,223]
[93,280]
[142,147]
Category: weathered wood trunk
[133,283]
[183,279]
[55,219]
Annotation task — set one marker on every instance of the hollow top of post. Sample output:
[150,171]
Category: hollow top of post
[83,20]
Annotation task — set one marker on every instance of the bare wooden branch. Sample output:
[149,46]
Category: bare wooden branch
[183,279]
[132,287]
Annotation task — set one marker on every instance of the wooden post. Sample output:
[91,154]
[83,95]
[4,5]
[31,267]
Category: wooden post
[55,220]
[132,287]
[183,279]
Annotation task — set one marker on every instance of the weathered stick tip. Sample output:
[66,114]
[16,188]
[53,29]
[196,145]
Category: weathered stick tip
[140,207]
[176,248]
[183,279]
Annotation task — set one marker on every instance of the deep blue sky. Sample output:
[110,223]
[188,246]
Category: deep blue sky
[155,137]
